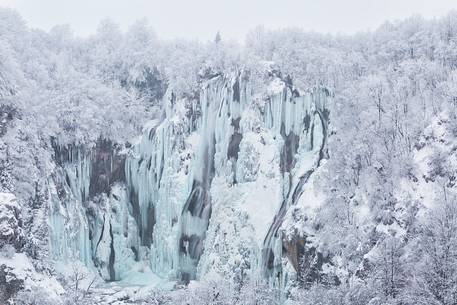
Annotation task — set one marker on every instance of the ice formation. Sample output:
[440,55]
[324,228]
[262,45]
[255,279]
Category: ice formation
[228,154]
[302,124]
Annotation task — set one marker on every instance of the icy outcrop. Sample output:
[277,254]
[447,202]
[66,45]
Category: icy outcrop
[302,123]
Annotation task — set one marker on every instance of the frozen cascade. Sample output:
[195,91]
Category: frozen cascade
[280,141]
[114,233]
[201,161]
[159,176]
[221,102]
[169,173]
[86,205]
[302,123]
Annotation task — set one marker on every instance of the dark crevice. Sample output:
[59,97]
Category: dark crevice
[136,212]
[235,140]
[112,255]
[289,150]
[145,230]
[151,221]
[191,245]
[107,167]
[234,146]
[236,90]
[101,236]
[162,162]
[135,252]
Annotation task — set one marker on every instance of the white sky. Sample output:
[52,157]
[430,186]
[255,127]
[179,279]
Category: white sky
[202,18]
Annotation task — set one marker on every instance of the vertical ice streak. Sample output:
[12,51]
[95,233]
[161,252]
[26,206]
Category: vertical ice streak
[157,177]
[222,101]
[197,209]
[68,194]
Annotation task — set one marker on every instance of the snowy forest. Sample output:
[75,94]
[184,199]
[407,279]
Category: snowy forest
[292,168]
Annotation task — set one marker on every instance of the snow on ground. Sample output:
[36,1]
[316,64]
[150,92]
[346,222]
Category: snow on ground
[141,275]
[19,267]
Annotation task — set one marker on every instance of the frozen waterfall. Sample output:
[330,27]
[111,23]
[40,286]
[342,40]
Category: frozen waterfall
[156,200]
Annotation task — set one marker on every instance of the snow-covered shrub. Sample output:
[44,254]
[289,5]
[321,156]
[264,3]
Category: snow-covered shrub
[438,164]
[248,166]
[7,251]
[11,232]
[34,296]
[19,275]
[317,295]
[156,297]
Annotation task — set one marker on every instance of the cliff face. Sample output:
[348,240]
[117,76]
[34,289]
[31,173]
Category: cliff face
[204,189]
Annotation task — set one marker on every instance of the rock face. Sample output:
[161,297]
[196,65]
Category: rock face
[107,167]
[307,261]
[100,166]
[16,269]
[232,153]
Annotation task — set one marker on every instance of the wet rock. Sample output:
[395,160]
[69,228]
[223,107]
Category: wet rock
[106,163]
[107,167]
[308,262]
